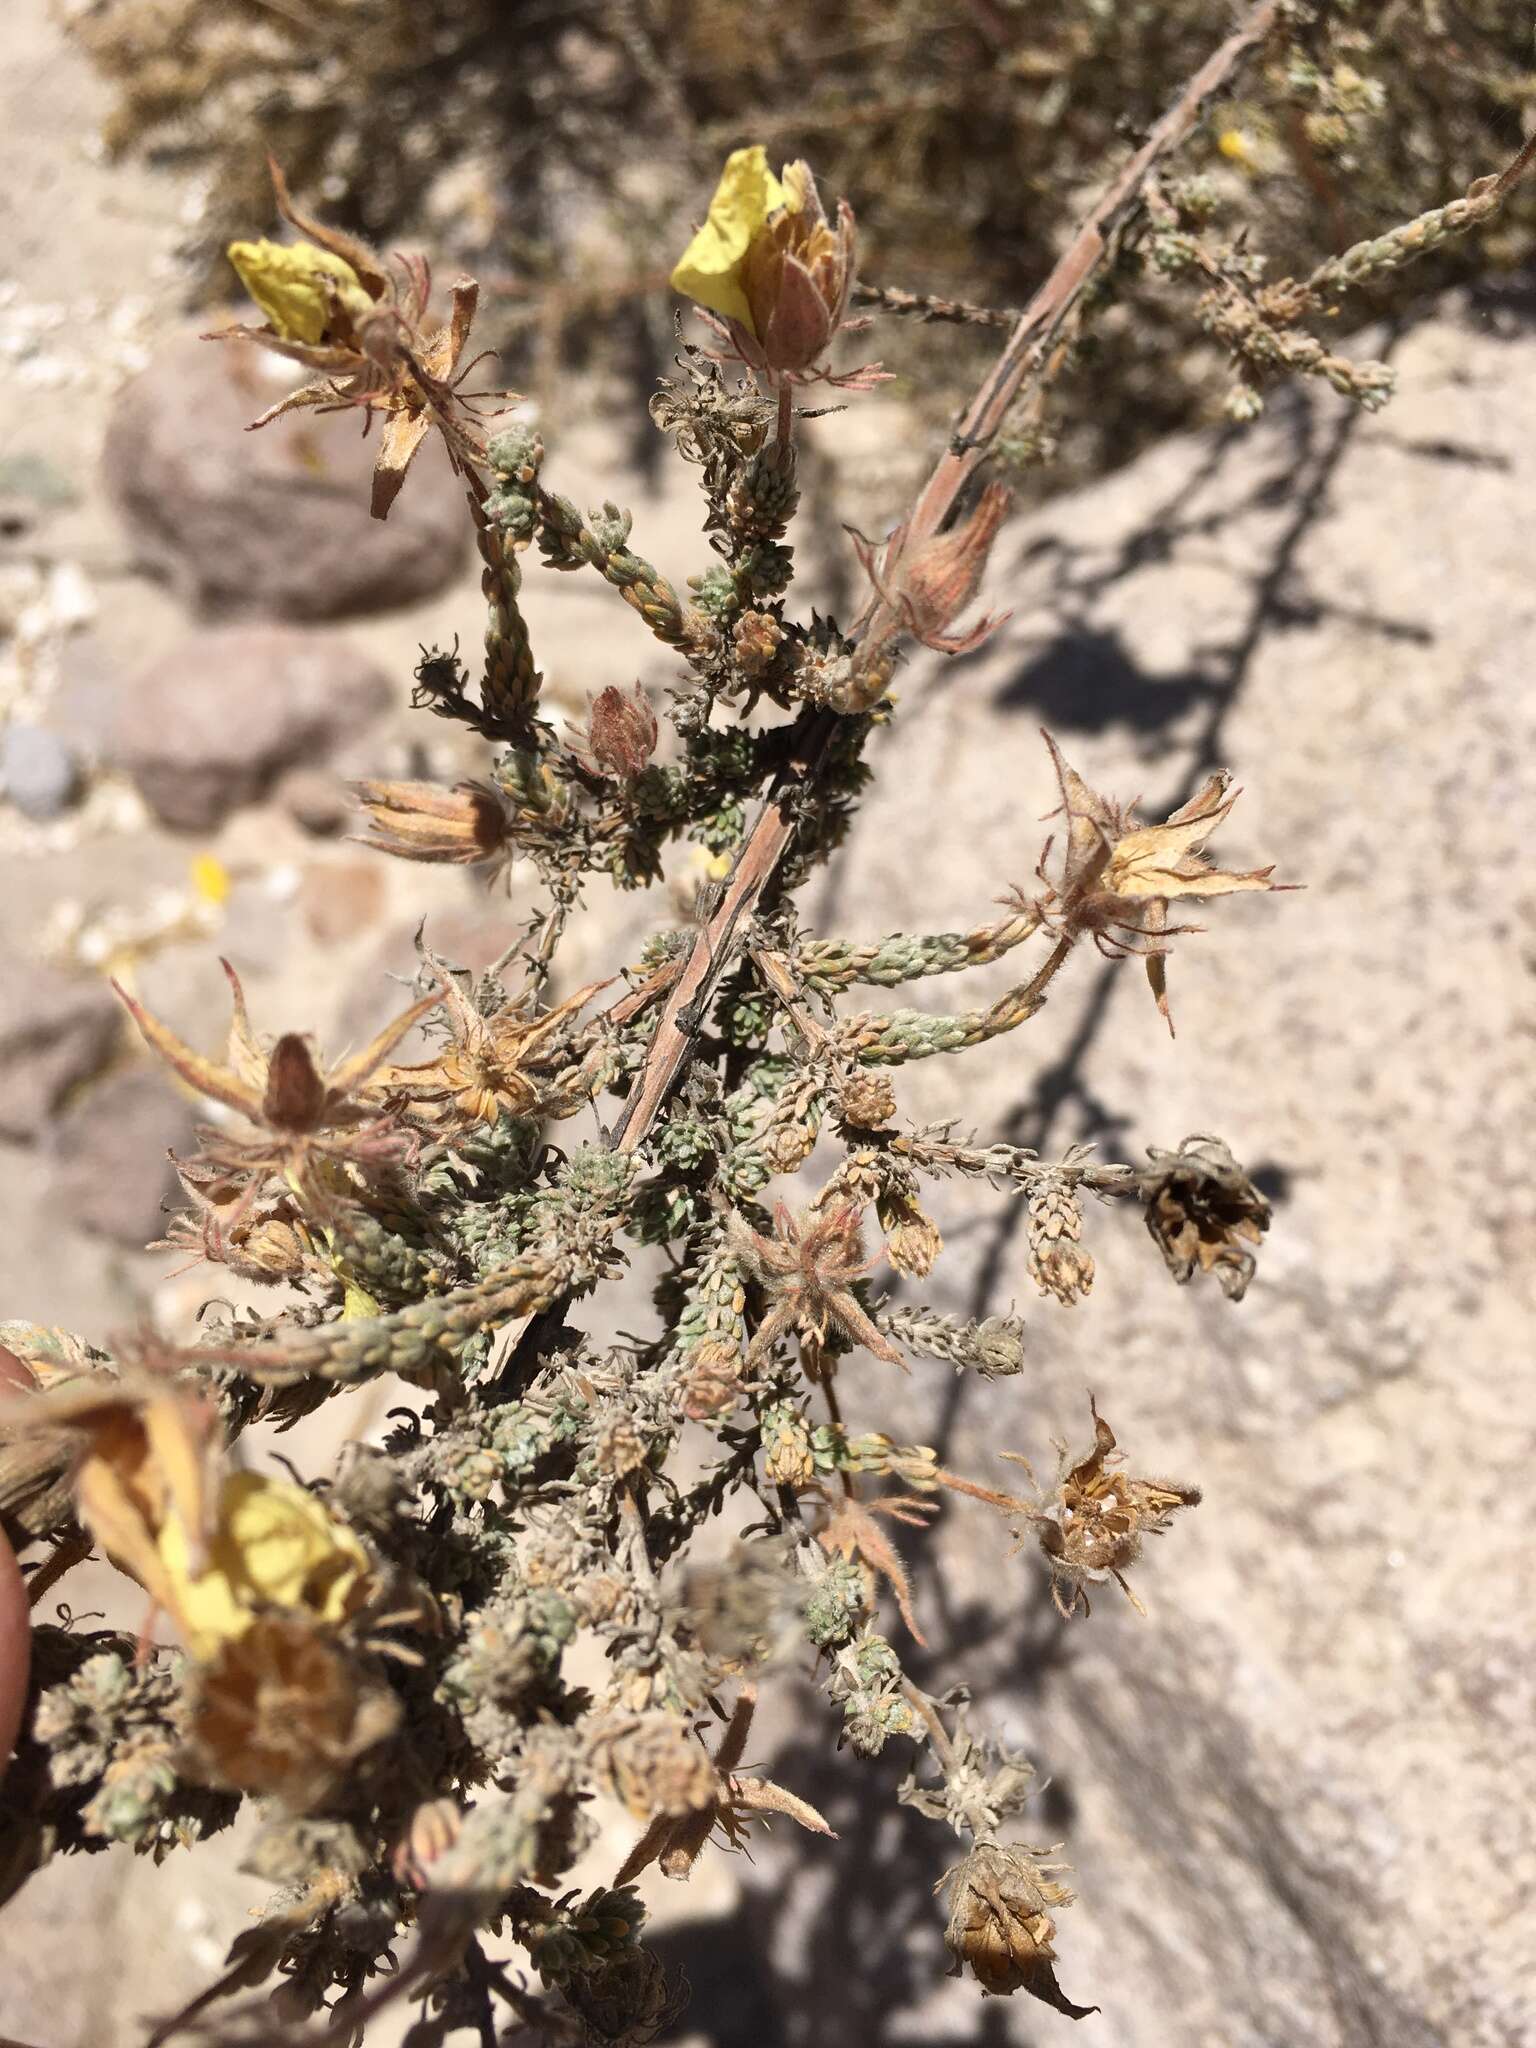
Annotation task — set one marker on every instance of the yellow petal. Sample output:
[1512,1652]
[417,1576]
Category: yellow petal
[210,879]
[709,271]
[275,1546]
[286,281]
[116,1522]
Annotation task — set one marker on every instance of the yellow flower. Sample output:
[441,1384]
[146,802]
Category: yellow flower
[210,879]
[710,270]
[273,1545]
[298,286]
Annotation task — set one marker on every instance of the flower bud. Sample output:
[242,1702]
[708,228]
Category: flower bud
[622,732]
[466,825]
[302,289]
[434,1828]
[930,585]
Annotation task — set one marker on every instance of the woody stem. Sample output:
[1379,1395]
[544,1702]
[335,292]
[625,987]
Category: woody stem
[938,1734]
[786,423]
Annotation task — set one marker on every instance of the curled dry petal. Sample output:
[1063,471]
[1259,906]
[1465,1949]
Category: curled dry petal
[1118,877]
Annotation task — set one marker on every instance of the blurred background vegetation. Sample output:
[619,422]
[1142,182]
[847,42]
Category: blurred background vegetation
[551,146]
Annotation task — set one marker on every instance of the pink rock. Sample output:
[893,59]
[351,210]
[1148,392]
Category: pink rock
[210,723]
[273,523]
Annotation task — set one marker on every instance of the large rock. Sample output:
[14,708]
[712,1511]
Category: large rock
[209,724]
[273,523]
[55,1031]
[1297,1796]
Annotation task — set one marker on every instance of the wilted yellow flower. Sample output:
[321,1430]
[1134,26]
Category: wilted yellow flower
[332,305]
[298,286]
[273,1545]
[773,270]
[133,1452]
[710,269]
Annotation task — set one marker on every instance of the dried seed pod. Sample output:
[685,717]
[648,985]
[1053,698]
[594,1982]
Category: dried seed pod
[1000,1925]
[1092,1529]
[1204,1212]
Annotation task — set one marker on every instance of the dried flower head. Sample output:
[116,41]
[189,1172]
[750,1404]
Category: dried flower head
[511,1062]
[807,1271]
[912,1239]
[265,1240]
[773,271]
[303,1119]
[334,307]
[1204,1212]
[1119,877]
[674,1840]
[651,1763]
[711,1385]
[469,825]
[1000,1925]
[283,1711]
[1092,1529]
